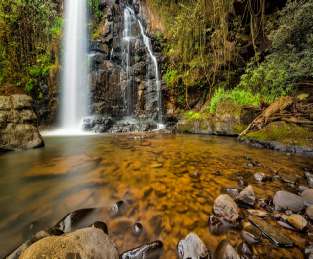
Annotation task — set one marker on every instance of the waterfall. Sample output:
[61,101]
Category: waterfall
[148,45]
[75,86]
[129,20]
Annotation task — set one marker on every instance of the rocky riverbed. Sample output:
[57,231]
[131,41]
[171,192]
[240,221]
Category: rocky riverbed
[186,196]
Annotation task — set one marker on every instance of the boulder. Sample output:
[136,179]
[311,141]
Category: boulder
[84,243]
[226,250]
[192,247]
[18,124]
[284,200]
[307,196]
[247,196]
[226,208]
[309,212]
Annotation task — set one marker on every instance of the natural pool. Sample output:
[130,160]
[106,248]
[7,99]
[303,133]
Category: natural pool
[169,182]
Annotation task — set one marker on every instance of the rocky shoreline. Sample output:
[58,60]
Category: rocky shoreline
[260,222]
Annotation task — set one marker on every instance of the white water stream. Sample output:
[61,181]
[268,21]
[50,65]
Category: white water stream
[75,85]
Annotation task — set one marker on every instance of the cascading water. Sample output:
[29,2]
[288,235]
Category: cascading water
[148,45]
[75,87]
[130,19]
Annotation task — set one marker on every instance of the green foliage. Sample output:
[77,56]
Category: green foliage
[193,116]
[291,59]
[57,27]
[236,95]
[171,78]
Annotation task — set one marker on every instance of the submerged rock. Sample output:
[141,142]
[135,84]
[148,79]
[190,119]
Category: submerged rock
[261,177]
[309,212]
[226,250]
[259,213]
[247,196]
[245,251]
[271,232]
[88,243]
[225,207]
[307,196]
[284,200]
[297,221]
[192,247]
[152,250]
[251,234]
[218,226]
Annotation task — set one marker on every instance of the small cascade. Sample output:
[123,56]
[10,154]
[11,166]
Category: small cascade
[148,45]
[130,21]
[75,87]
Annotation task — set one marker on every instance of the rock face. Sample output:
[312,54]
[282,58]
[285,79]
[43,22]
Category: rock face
[284,200]
[18,124]
[84,243]
[123,81]
[226,208]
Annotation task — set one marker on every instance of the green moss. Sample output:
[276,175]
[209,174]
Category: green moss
[285,133]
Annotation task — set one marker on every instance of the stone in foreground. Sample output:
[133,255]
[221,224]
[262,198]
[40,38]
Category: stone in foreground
[226,250]
[271,232]
[225,207]
[192,247]
[284,200]
[247,196]
[88,243]
[152,250]
[307,196]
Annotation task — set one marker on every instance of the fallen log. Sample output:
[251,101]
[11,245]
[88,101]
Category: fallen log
[261,121]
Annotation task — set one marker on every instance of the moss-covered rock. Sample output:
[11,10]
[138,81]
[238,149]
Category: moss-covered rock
[283,136]
[230,119]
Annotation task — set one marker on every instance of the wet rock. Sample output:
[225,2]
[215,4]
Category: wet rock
[225,250]
[98,124]
[225,207]
[118,208]
[247,196]
[261,177]
[284,200]
[309,212]
[192,247]
[271,232]
[84,243]
[285,225]
[245,251]
[258,213]
[233,192]
[137,228]
[218,226]
[153,250]
[309,178]
[307,196]
[251,234]
[18,251]
[101,225]
[297,221]
[72,221]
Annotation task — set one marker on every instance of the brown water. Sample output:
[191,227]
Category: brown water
[171,181]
